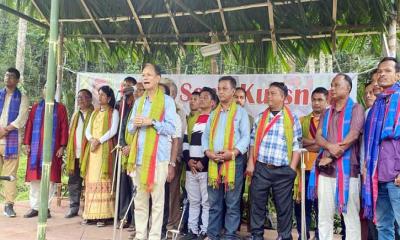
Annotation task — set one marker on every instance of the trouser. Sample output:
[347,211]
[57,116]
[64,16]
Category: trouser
[125,197]
[196,187]
[166,209]
[8,168]
[387,210]
[34,194]
[281,180]
[218,197]
[327,208]
[311,205]
[175,197]
[142,204]
[75,188]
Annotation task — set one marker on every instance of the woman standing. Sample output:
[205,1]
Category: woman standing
[96,166]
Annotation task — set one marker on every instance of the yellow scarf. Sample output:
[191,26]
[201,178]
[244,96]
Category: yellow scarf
[261,132]
[227,170]
[71,139]
[149,157]
[128,140]
[106,149]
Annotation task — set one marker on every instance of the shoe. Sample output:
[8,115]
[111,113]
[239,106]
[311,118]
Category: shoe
[202,236]
[71,213]
[190,236]
[31,213]
[9,211]
[48,213]
[100,224]
[131,228]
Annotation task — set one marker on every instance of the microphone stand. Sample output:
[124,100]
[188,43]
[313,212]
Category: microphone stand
[118,148]
[303,194]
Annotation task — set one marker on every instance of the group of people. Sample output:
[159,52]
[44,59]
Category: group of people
[216,154]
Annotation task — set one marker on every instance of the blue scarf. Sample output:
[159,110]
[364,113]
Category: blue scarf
[378,127]
[11,150]
[36,152]
[343,163]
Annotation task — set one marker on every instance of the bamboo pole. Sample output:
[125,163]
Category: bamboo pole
[60,62]
[48,120]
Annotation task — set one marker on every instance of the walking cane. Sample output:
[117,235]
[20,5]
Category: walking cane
[303,195]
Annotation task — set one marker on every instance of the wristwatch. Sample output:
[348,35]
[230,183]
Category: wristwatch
[173,164]
[153,122]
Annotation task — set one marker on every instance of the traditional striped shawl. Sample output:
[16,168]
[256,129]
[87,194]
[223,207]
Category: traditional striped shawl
[343,163]
[70,157]
[11,150]
[226,172]
[382,123]
[36,146]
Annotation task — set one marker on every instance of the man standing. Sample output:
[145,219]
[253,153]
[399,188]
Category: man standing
[152,121]
[126,185]
[34,144]
[273,161]
[309,125]
[368,229]
[225,141]
[196,169]
[381,197]
[174,188]
[194,105]
[76,145]
[240,97]
[14,113]
[336,171]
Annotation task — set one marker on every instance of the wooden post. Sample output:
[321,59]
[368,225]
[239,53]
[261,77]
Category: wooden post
[48,120]
[214,63]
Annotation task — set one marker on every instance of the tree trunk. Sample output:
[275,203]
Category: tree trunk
[330,64]
[311,65]
[21,43]
[322,62]
[392,37]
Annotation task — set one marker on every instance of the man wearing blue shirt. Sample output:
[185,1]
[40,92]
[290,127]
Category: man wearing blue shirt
[225,141]
[152,122]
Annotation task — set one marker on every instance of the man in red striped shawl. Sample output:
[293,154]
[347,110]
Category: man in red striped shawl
[34,135]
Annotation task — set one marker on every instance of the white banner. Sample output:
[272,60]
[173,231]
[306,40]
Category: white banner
[256,86]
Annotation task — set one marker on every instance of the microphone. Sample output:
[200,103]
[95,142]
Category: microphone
[8,178]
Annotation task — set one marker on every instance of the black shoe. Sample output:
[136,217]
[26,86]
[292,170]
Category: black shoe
[48,213]
[202,236]
[31,213]
[71,213]
[190,236]
[9,211]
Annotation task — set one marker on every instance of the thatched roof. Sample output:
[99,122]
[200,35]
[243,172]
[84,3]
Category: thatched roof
[262,27]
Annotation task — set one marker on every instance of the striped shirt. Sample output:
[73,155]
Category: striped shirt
[273,148]
[193,150]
